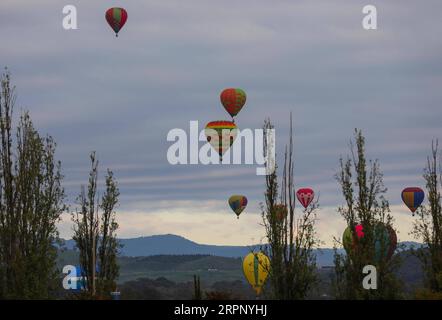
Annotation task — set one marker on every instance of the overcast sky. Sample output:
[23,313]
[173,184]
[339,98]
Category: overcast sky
[121,96]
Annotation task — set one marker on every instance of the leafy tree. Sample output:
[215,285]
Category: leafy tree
[428,224]
[31,202]
[95,229]
[363,190]
[291,238]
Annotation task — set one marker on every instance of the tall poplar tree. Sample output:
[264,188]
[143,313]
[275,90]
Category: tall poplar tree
[428,224]
[291,237]
[31,202]
[362,187]
[95,228]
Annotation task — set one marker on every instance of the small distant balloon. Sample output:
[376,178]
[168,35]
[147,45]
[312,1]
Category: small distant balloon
[233,99]
[238,203]
[221,134]
[413,197]
[280,211]
[305,196]
[256,267]
[116,18]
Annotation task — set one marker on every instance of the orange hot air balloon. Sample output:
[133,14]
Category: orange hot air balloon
[280,212]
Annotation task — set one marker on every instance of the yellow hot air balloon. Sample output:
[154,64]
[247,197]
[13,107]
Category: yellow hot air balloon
[256,267]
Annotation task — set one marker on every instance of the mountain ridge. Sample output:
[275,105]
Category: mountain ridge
[170,244]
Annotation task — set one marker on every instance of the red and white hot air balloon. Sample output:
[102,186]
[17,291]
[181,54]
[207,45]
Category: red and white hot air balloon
[305,196]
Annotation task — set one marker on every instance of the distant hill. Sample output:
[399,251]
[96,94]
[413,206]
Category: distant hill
[170,244]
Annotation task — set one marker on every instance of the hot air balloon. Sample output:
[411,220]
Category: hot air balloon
[256,267]
[280,212]
[116,18]
[305,196]
[221,135]
[238,203]
[382,244]
[413,197]
[393,241]
[347,238]
[359,229]
[384,237]
[233,100]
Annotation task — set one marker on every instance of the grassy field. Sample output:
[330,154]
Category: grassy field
[177,268]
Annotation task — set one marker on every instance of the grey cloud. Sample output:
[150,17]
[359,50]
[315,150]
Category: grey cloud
[121,96]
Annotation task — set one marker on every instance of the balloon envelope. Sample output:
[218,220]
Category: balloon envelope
[238,203]
[280,211]
[382,241]
[221,135]
[256,267]
[347,240]
[413,197]
[393,241]
[359,229]
[116,18]
[305,196]
[384,237]
[233,99]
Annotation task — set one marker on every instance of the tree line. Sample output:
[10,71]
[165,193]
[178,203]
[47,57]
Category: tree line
[292,237]
[32,200]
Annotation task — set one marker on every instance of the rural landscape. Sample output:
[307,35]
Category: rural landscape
[168,151]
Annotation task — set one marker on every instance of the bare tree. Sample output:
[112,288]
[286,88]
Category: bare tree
[428,224]
[291,238]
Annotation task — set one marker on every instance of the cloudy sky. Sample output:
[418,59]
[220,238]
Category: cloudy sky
[121,96]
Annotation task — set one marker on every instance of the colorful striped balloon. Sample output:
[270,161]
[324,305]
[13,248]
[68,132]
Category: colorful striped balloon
[221,135]
[256,267]
[238,203]
[233,100]
[116,18]
[413,197]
